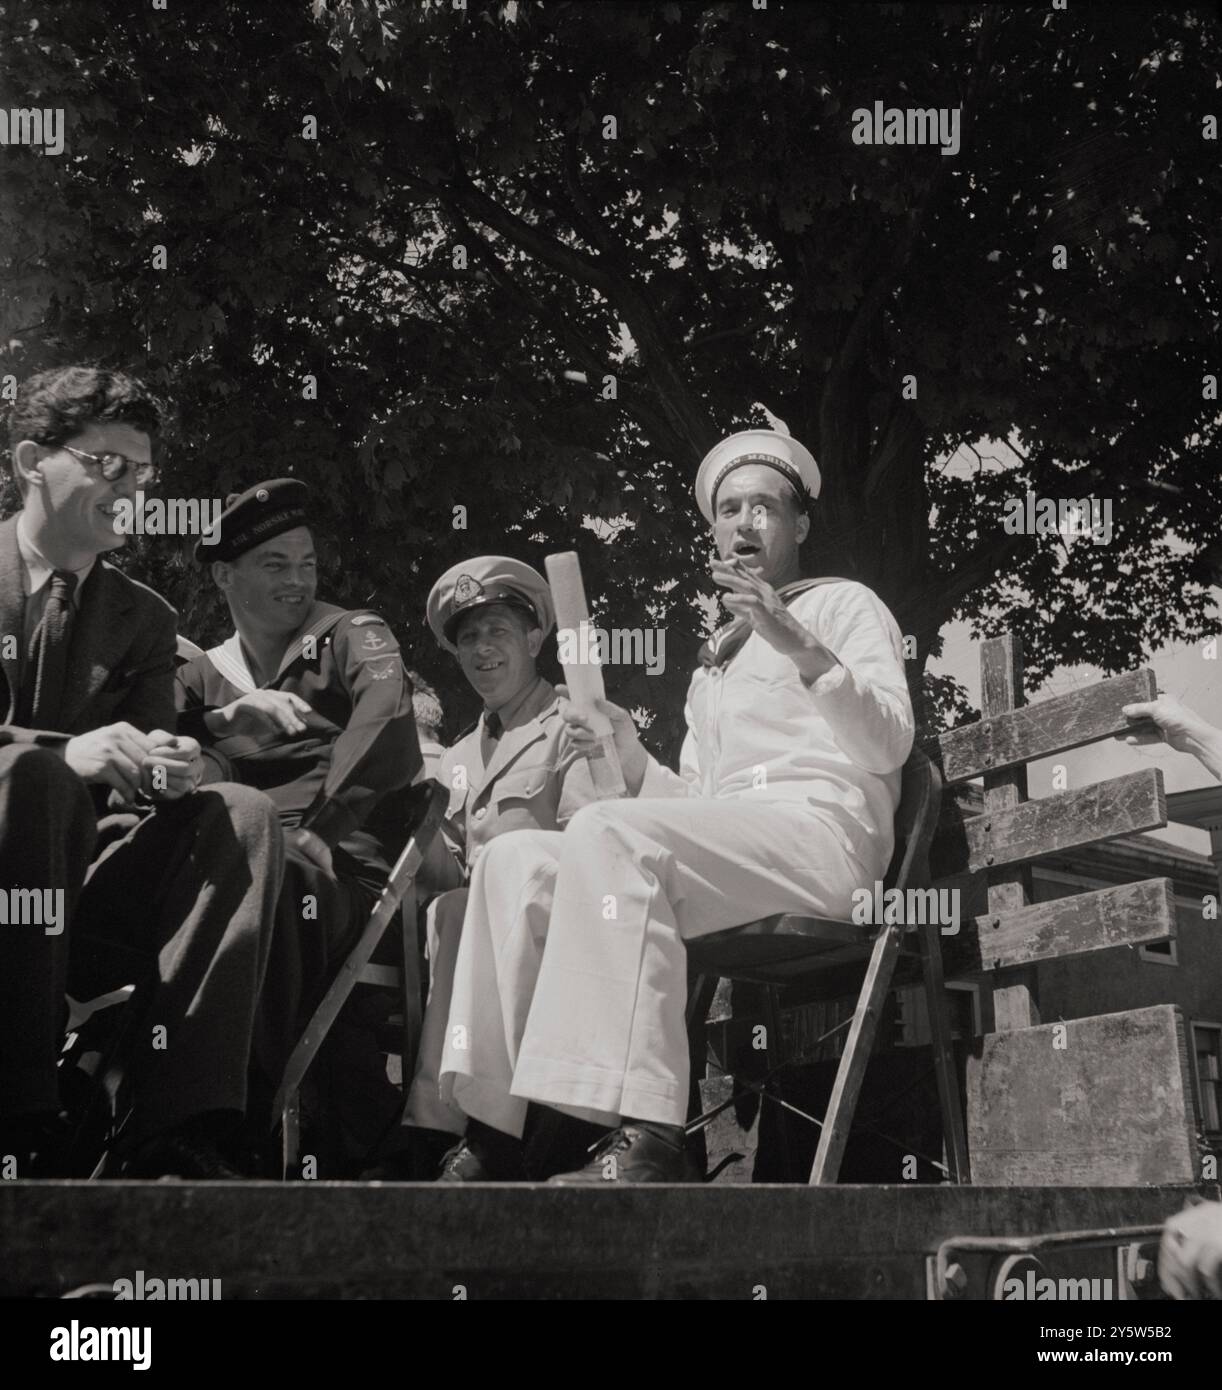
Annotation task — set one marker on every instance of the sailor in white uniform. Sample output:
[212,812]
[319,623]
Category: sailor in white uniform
[571,976]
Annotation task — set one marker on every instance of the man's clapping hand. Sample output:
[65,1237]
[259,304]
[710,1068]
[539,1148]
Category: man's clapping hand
[172,767]
[259,714]
[113,756]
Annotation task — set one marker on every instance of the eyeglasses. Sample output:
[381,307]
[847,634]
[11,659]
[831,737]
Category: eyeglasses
[114,466]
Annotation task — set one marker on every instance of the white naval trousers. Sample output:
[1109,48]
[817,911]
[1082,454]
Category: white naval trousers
[425,1107]
[571,978]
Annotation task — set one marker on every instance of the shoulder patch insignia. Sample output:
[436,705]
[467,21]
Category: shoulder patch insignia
[373,643]
[361,619]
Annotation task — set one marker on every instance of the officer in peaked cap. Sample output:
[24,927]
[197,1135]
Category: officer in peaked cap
[310,703]
[769,448]
[489,579]
[507,772]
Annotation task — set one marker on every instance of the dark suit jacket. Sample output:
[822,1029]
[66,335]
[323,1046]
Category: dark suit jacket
[120,659]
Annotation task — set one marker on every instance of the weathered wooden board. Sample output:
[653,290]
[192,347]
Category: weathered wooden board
[1103,1100]
[1120,806]
[516,1241]
[1128,915]
[1013,1002]
[1052,726]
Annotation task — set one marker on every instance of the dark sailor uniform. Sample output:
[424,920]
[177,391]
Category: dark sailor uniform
[337,778]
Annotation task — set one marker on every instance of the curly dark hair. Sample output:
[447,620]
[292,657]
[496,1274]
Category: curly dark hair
[56,405]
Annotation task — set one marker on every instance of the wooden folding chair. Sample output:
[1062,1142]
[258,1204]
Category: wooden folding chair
[427,805]
[93,1062]
[780,950]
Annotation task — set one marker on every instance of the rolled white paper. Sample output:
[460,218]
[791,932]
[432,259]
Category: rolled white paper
[585,678]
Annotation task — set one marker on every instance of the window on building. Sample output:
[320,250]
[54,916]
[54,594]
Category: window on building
[912,1017]
[1207,1038]
[1161,952]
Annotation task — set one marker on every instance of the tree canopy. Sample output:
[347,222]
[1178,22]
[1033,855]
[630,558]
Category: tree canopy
[493,279]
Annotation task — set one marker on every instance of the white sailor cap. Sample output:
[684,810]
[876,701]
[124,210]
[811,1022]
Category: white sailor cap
[792,460]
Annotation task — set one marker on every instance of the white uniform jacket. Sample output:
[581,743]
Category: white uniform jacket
[757,730]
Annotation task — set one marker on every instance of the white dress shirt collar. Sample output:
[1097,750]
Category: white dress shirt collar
[36,569]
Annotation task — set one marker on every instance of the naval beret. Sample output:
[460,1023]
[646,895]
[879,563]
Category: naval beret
[268,509]
[792,460]
[487,579]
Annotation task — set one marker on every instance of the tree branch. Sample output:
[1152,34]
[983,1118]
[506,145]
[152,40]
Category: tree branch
[562,325]
[872,301]
[690,419]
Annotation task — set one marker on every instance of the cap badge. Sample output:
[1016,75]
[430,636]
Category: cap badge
[467,590]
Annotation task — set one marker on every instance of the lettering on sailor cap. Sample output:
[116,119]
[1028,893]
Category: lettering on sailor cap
[775,450]
[268,509]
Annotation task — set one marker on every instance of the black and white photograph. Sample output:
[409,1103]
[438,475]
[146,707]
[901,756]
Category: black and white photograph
[609,637]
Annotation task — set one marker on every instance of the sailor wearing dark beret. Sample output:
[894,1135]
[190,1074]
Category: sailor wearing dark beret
[310,703]
[256,515]
[506,772]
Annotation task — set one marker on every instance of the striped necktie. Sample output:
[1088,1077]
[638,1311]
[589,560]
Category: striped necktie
[43,686]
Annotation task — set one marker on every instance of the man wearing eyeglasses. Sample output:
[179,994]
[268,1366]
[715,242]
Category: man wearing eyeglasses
[87,684]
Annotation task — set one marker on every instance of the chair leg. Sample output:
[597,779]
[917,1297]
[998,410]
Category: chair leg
[401,880]
[700,992]
[290,1134]
[308,1046]
[773,1053]
[849,1075]
[413,1008]
[943,1054]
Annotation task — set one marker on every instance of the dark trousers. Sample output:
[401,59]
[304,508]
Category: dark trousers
[47,837]
[319,918]
[186,900]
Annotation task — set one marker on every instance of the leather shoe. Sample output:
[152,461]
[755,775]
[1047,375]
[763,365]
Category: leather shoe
[635,1153]
[180,1155]
[484,1155]
[41,1144]
[418,1160]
